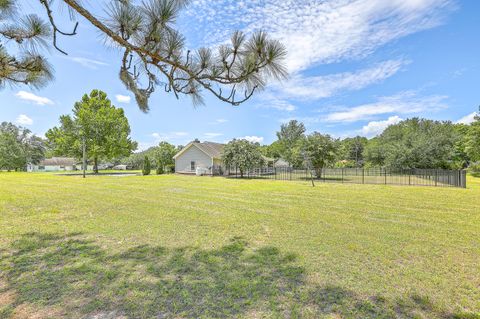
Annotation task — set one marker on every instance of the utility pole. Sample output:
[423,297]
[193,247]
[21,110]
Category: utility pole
[308,164]
[84,163]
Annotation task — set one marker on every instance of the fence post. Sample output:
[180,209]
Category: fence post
[436,177]
[409,176]
[385,171]
[363,175]
[464,178]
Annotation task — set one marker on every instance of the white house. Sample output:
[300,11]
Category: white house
[53,164]
[206,156]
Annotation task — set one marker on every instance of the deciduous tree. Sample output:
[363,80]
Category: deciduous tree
[415,143]
[18,147]
[472,145]
[242,155]
[95,121]
[320,150]
[290,139]
[164,154]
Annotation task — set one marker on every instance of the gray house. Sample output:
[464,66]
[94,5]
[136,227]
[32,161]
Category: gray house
[53,164]
[205,157]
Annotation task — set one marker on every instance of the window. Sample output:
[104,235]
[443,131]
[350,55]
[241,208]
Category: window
[192,165]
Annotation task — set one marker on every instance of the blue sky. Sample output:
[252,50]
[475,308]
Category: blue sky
[355,67]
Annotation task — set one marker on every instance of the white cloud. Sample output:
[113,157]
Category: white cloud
[169,136]
[40,100]
[253,139]
[317,87]
[467,119]
[88,63]
[180,134]
[374,128]
[319,31]
[172,137]
[212,135]
[219,121]
[407,102]
[123,98]
[271,101]
[23,119]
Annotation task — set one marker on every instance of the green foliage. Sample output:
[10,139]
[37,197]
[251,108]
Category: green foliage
[170,168]
[164,154]
[320,150]
[243,155]
[415,143]
[474,168]
[25,65]
[146,166]
[102,126]
[135,160]
[160,169]
[290,139]
[273,150]
[18,147]
[472,140]
[351,150]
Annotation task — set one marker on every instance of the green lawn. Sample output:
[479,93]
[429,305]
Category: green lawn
[201,247]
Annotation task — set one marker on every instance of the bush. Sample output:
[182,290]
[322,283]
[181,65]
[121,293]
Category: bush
[474,169]
[170,168]
[146,166]
[160,169]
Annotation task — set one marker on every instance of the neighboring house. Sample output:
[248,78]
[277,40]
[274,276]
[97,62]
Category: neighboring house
[121,167]
[207,158]
[281,163]
[53,164]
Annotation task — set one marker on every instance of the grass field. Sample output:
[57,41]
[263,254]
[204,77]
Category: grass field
[201,247]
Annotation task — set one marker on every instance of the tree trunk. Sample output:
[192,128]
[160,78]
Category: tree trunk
[95,165]
[241,173]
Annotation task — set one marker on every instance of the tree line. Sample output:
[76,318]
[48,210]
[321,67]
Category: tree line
[412,143]
[101,131]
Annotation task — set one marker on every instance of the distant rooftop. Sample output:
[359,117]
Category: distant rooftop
[58,161]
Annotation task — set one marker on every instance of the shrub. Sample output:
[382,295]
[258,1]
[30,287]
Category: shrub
[474,169]
[160,169]
[170,168]
[146,166]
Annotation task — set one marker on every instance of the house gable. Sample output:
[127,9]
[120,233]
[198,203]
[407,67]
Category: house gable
[183,160]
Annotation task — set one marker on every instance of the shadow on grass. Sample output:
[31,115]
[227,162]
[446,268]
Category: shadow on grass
[73,277]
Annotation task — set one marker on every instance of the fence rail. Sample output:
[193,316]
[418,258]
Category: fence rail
[414,177]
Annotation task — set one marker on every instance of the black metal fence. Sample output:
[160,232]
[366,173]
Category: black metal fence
[418,177]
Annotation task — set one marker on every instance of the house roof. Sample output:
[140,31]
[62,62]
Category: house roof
[212,149]
[58,161]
